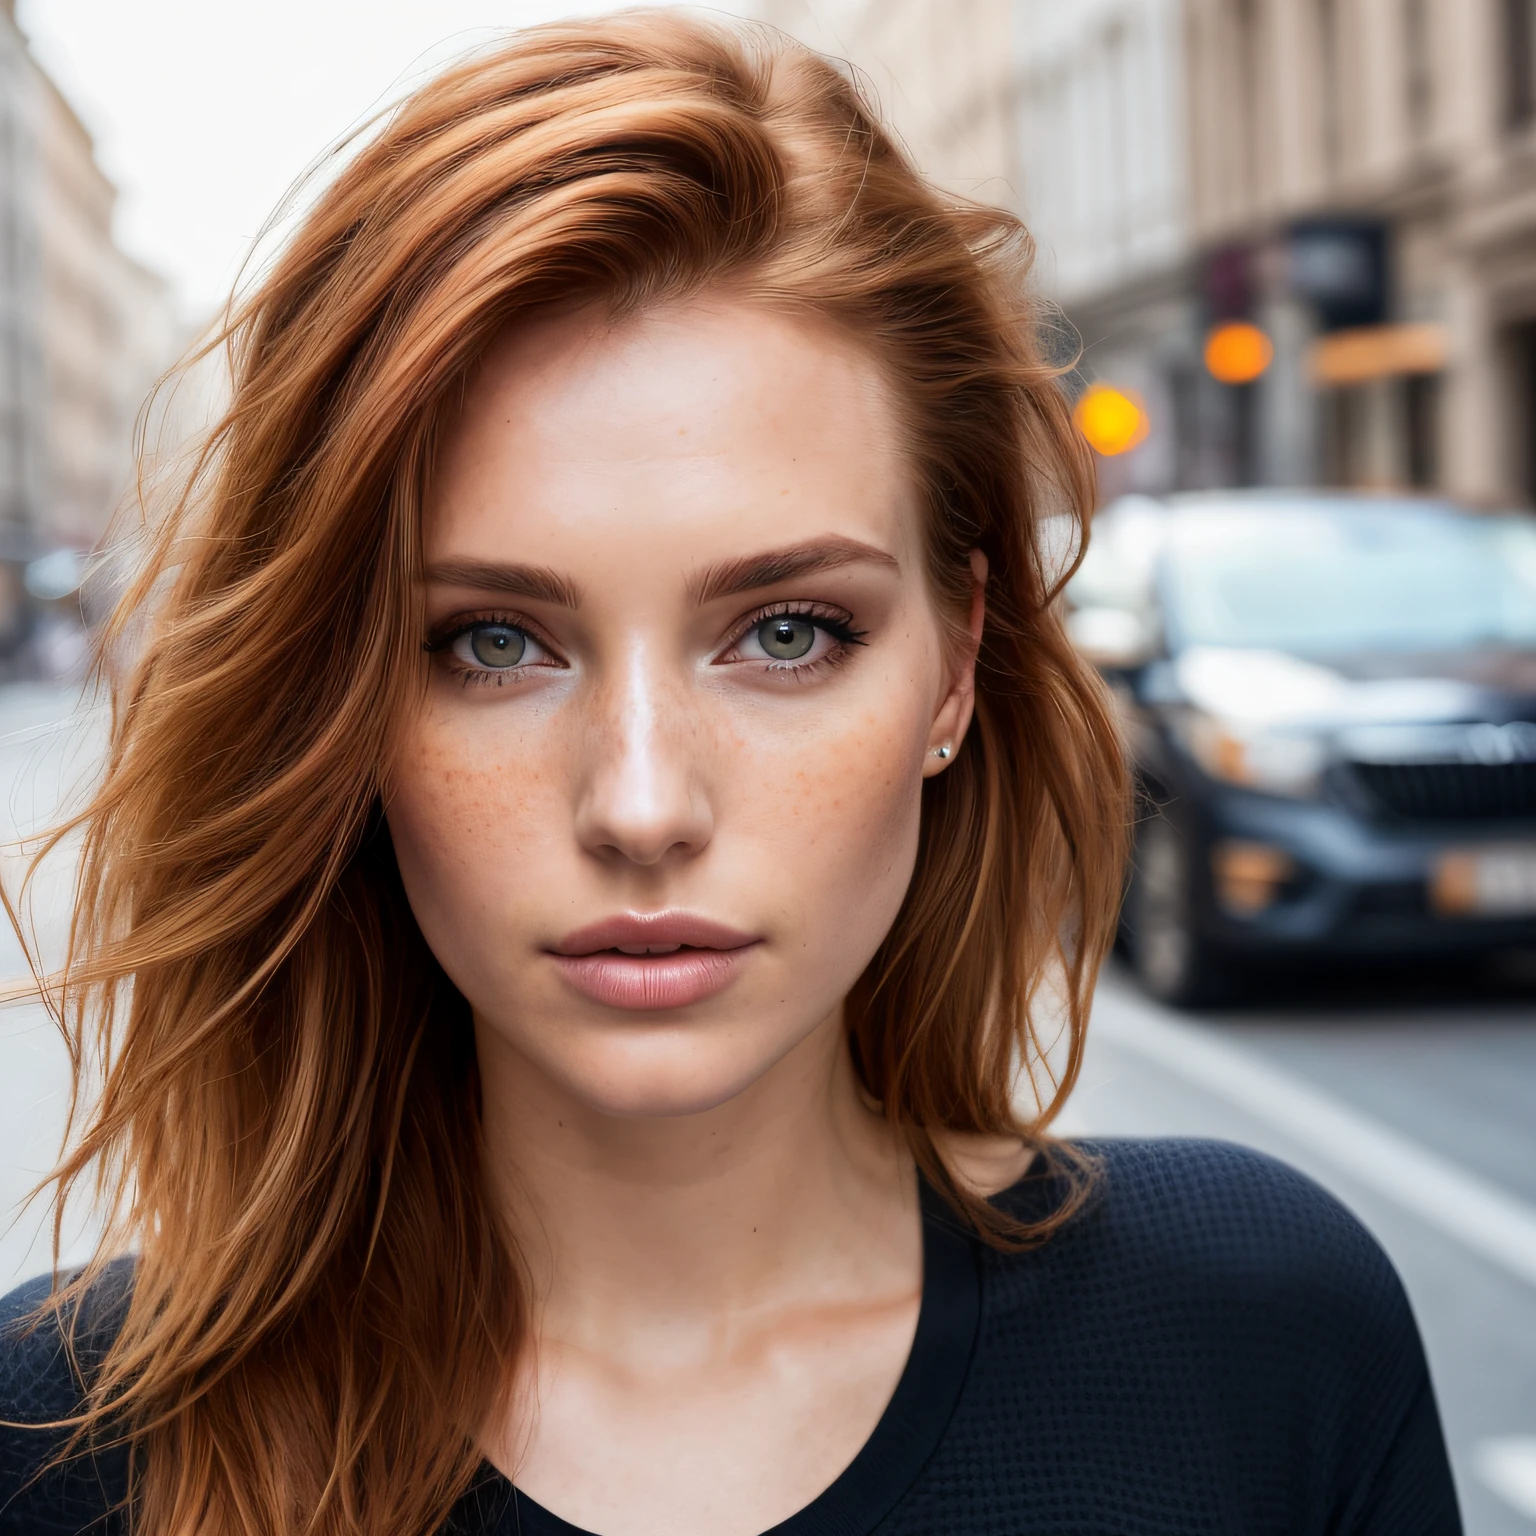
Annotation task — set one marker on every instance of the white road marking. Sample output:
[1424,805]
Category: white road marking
[1482,1217]
[1508,1467]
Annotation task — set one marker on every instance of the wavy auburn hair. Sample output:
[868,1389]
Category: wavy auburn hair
[283,1120]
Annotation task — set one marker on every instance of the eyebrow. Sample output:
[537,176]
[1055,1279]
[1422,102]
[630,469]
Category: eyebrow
[532,581]
[733,577]
[726,579]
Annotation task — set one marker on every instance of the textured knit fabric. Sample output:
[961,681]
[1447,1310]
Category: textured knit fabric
[1214,1345]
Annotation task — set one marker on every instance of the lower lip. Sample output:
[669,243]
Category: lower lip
[652,982]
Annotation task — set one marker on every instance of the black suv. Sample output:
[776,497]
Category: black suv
[1331,704]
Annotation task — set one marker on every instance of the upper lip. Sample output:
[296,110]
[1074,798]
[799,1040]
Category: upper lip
[663,930]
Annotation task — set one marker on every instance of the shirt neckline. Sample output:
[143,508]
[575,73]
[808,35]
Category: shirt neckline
[907,1432]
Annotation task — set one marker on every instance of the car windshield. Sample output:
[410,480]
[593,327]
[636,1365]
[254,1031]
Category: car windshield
[1345,577]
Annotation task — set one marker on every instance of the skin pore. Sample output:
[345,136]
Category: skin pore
[684,664]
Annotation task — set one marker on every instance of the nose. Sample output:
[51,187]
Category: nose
[641,799]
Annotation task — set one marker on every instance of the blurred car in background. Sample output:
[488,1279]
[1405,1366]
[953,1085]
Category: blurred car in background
[1330,701]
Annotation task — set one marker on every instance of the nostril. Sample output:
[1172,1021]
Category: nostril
[643,812]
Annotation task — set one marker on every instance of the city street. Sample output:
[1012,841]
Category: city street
[1412,1098]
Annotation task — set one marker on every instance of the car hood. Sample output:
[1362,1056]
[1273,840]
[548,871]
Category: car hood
[1500,670]
[1274,688]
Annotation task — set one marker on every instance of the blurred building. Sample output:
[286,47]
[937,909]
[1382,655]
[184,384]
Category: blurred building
[1102,178]
[943,73]
[107,331]
[84,330]
[1351,183]
[21,356]
[1357,172]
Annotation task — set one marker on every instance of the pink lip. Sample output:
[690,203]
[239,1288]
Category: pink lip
[707,963]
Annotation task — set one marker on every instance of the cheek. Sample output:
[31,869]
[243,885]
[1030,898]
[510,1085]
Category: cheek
[841,829]
[465,807]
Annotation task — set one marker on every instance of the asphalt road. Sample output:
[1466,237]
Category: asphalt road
[1411,1096]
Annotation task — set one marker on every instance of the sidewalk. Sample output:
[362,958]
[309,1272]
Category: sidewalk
[49,748]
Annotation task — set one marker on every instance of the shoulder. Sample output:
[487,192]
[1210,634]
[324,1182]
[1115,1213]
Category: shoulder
[45,1360]
[43,1353]
[1213,1213]
[1224,1260]
[1210,1309]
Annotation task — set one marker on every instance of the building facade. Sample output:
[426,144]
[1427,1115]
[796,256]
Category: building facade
[1098,118]
[1358,170]
[942,74]
[1355,178]
[21,357]
[84,330]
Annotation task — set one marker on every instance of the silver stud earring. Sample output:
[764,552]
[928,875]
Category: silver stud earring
[942,751]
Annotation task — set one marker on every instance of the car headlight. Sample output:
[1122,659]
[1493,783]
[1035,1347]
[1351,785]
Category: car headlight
[1278,762]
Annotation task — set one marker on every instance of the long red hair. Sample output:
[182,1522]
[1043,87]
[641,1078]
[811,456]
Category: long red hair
[325,1309]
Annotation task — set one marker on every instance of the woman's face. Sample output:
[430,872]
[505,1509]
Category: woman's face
[659,804]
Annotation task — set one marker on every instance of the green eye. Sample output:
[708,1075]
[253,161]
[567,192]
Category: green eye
[497,645]
[786,638]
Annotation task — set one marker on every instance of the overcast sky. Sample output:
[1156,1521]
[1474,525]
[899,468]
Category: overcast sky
[205,111]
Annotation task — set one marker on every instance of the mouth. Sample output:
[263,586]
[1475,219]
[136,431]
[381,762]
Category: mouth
[650,962]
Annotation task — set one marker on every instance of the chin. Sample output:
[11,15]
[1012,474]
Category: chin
[662,1098]
[664,1071]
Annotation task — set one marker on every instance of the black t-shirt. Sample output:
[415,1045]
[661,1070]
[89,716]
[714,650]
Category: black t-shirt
[1212,1345]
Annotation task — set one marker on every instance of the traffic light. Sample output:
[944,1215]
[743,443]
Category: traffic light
[1237,352]
[1113,420]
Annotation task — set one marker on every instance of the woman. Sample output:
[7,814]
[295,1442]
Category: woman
[600,809]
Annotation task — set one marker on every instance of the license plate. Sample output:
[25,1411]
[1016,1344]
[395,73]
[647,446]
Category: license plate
[1485,882]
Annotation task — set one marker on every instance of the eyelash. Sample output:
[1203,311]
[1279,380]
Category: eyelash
[835,622]
[441,641]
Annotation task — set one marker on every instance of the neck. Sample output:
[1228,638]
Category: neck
[792,1188]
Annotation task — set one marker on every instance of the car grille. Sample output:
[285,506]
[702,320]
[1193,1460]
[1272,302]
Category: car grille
[1452,791]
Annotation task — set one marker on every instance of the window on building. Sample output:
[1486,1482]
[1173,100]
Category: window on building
[1202,83]
[1344,430]
[1418,54]
[1248,79]
[1421,429]
[1520,394]
[1331,113]
[1116,129]
[1519,62]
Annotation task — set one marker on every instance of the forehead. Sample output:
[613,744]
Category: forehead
[708,428]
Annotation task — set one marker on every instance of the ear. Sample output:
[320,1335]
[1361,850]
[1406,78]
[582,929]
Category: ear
[953,717]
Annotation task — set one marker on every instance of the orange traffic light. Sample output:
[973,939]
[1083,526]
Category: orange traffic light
[1113,420]
[1237,352]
